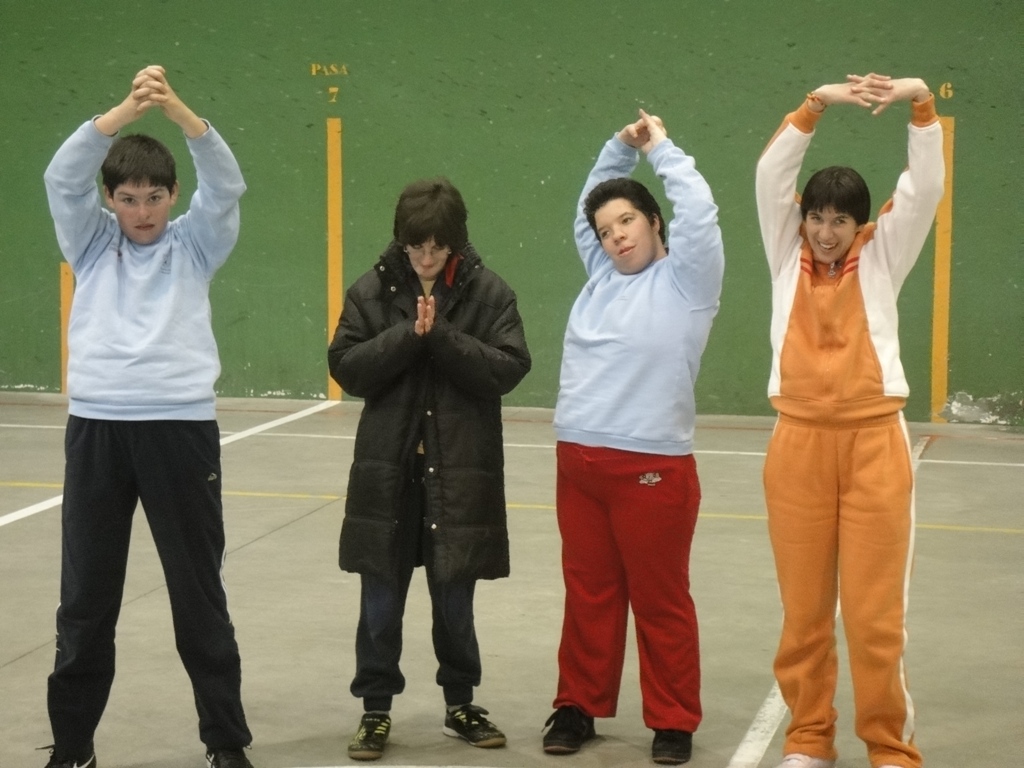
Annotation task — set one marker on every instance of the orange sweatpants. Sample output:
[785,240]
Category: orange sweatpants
[840,504]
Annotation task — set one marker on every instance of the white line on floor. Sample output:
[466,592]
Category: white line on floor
[974,463]
[32,426]
[541,446]
[278,422]
[766,722]
[42,506]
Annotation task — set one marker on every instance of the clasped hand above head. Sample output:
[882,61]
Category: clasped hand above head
[644,134]
[872,91]
[151,89]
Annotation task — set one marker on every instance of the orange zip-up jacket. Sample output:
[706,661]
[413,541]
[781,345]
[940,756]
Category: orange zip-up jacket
[835,343]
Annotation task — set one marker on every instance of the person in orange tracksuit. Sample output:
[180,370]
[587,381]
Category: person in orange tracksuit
[838,477]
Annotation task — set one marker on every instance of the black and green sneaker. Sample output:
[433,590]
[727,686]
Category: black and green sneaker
[468,722]
[369,741]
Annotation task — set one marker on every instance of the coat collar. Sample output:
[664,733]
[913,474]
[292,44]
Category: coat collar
[394,267]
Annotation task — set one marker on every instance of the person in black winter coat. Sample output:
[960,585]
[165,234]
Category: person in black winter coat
[430,339]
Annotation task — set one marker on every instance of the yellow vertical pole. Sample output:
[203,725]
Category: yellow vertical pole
[334,239]
[67,292]
[943,269]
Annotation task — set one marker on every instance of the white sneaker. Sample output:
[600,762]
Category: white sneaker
[797,760]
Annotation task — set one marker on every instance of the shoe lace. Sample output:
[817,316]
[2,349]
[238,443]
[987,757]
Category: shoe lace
[670,734]
[472,716]
[55,763]
[376,724]
[566,717]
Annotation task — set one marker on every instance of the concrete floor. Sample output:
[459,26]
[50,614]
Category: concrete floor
[295,612]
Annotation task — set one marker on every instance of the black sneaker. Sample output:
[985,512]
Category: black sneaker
[369,741]
[227,758]
[468,722]
[569,729]
[63,761]
[671,747]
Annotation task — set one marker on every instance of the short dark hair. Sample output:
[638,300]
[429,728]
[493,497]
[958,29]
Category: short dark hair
[138,159]
[431,208]
[840,188]
[627,189]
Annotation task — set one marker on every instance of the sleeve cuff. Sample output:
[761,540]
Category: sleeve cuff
[97,133]
[202,135]
[923,113]
[804,119]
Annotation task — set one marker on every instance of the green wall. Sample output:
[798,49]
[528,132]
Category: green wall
[512,100]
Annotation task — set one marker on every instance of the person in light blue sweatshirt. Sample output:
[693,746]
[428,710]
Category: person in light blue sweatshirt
[142,421]
[627,487]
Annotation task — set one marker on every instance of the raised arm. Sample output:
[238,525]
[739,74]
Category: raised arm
[212,223]
[71,176]
[778,210]
[905,220]
[73,196]
[616,160]
[695,250]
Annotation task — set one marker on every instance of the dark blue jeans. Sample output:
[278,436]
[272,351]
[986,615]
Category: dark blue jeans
[379,641]
[378,677]
[173,467]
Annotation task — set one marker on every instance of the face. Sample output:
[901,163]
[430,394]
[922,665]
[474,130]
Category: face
[627,236]
[142,211]
[830,234]
[428,259]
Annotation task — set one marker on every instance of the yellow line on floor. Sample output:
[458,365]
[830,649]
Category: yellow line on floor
[968,528]
[261,494]
[727,516]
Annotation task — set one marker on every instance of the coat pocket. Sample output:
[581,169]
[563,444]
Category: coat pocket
[368,543]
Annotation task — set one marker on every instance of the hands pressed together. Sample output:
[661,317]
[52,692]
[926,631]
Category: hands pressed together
[150,89]
[425,306]
[871,91]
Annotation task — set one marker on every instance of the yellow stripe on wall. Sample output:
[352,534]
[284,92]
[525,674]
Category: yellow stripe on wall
[67,292]
[943,268]
[334,239]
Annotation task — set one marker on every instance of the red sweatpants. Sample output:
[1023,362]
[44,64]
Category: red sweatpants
[627,521]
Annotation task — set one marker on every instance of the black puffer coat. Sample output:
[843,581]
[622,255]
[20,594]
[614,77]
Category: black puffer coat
[444,388]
